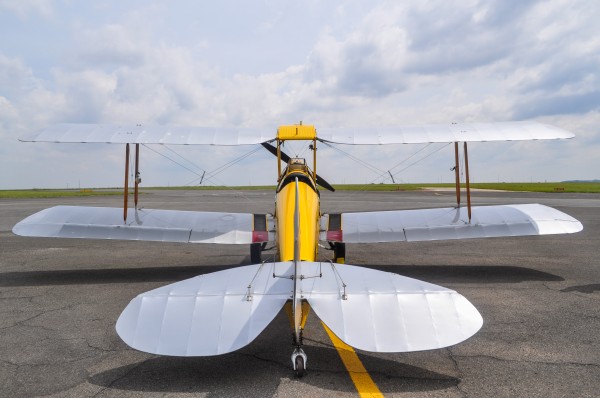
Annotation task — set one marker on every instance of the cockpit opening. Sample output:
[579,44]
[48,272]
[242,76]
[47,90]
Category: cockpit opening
[297,164]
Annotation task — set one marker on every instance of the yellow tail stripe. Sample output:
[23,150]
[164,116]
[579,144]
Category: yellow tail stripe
[365,386]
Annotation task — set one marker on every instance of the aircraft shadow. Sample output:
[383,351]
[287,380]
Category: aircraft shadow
[469,273]
[430,273]
[258,370]
[591,288]
[105,275]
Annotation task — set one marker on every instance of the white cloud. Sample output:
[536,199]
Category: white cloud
[359,65]
[25,8]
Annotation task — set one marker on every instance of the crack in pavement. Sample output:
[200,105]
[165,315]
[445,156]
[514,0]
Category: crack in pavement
[458,371]
[567,363]
[22,321]
[124,375]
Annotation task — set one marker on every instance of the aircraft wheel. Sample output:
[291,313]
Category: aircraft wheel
[255,253]
[300,368]
[339,252]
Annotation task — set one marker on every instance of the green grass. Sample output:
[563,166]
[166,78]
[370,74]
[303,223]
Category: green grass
[54,193]
[550,187]
[554,187]
[213,188]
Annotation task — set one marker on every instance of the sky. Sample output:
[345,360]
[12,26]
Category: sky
[268,63]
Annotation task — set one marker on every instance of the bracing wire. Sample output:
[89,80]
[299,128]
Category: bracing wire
[209,176]
[172,160]
[383,174]
[423,158]
[410,157]
[369,166]
[186,159]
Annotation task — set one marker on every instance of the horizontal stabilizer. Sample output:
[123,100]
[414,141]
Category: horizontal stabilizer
[141,224]
[452,132]
[210,314]
[385,312]
[453,223]
[223,311]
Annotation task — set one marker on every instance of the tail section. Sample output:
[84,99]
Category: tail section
[371,310]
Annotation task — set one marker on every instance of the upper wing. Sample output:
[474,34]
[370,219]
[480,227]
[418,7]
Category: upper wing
[508,131]
[178,135]
[138,134]
[447,223]
[144,224]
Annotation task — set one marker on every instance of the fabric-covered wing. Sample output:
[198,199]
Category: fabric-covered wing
[385,312]
[210,314]
[451,223]
[152,134]
[142,224]
[507,131]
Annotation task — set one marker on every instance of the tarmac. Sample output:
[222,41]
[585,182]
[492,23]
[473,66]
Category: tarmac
[539,298]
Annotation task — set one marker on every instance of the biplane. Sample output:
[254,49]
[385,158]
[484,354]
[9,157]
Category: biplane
[371,310]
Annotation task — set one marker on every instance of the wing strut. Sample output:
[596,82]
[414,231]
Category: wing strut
[137,173]
[126,188]
[467,181]
[457,174]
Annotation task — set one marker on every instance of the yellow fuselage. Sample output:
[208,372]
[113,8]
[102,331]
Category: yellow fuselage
[308,210]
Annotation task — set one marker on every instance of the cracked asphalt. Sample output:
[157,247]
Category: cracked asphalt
[539,298]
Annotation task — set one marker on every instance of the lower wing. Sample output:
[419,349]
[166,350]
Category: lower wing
[147,225]
[447,223]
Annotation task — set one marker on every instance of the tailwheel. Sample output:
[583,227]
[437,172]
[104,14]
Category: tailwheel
[299,366]
[339,252]
[255,253]
[299,361]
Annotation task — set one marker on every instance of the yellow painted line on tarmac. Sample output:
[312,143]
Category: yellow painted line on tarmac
[365,386]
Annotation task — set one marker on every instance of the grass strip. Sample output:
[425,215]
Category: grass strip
[548,187]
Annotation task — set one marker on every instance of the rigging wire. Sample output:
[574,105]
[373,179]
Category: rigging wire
[423,158]
[171,159]
[186,159]
[383,175]
[411,156]
[209,176]
[373,168]
[227,165]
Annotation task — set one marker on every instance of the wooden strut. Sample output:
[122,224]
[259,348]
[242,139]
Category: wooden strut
[126,188]
[137,174]
[457,174]
[467,180]
[278,160]
[315,159]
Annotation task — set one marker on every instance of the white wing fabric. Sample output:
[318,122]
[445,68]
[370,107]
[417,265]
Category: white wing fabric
[141,224]
[453,223]
[151,134]
[180,135]
[454,132]
[223,311]
[385,312]
[210,314]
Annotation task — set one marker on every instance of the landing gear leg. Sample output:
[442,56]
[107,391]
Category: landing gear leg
[339,252]
[255,253]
